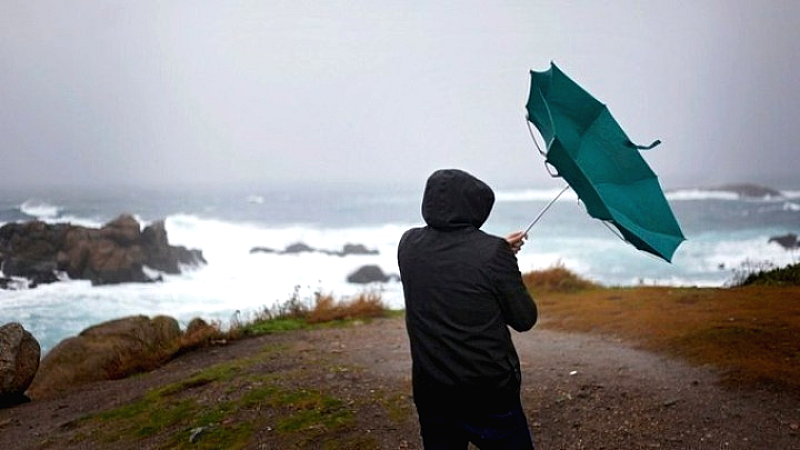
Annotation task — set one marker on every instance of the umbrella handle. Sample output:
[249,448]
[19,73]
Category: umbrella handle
[541,213]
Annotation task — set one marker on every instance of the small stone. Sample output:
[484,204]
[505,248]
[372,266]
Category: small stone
[669,403]
[194,435]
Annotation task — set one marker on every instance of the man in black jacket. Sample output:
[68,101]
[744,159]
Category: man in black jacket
[463,289]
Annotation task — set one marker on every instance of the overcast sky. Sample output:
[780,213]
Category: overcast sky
[175,92]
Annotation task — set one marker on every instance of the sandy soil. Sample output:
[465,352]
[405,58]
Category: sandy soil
[579,392]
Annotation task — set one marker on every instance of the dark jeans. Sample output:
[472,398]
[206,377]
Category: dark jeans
[453,430]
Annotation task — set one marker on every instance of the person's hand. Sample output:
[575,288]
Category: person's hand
[516,240]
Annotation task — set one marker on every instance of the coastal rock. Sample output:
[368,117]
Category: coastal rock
[124,230]
[115,253]
[167,258]
[300,247]
[262,250]
[108,351]
[28,250]
[787,241]
[357,249]
[19,361]
[369,274]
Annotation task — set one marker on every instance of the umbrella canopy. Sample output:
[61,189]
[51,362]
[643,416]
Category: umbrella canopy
[588,148]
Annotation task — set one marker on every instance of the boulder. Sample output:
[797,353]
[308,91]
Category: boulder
[161,256]
[108,351]
[124,230]
[369,274]
[109,263]
[19,362]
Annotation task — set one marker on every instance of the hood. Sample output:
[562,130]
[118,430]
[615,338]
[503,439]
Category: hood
[455,199]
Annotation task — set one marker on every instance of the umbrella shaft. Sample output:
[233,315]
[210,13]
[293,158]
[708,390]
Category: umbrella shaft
[541,213]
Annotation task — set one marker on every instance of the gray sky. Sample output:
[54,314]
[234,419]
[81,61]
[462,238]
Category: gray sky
[164,92]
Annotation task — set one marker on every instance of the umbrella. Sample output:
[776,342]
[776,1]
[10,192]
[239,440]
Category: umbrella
[589,150]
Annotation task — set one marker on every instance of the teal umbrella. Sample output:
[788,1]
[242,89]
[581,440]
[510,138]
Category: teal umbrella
[589,150]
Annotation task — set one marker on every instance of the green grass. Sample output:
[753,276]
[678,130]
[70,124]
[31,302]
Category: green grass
[176,409]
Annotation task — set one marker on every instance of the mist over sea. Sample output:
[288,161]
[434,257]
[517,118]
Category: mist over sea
[724,231]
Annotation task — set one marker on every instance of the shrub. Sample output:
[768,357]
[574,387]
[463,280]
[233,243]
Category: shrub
[364,306]
[766,274]
[295,313]
[556,278]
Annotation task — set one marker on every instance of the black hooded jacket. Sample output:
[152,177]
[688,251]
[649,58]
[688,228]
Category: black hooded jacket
[462,290]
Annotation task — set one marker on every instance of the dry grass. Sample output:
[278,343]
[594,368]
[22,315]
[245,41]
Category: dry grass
[556,278]
[296,313]
[752,333]
[364,306]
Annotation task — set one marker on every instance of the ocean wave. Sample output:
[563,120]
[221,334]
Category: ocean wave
[532,195]
[789,206]
[39,209]
[704,194]
[546,195]
[701,194]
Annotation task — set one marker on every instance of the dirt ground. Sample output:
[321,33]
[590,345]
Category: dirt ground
[579,391]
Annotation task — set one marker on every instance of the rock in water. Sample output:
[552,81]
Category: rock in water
[787,241]
[115,253]
[368,274]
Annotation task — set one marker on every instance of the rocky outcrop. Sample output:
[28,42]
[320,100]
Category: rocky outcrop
[115,253]
[19,361]
[788,241]
[300,247]
[369,274]
[108,351]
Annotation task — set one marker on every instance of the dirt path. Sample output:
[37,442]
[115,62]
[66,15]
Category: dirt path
[579,391]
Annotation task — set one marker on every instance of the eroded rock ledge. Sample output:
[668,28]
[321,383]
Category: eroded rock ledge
[115,253]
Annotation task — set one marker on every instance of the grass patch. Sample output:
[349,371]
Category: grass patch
[221,407]
[295,314]
[766,274]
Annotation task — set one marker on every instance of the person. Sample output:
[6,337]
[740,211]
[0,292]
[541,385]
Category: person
[463,289]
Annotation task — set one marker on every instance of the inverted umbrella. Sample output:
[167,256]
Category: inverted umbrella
[589,150]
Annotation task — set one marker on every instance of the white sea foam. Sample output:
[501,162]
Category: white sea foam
[530,195]
[790,206]
[700,194]
[236,279]
[39,209]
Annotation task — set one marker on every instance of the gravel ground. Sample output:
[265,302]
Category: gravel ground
[579,392]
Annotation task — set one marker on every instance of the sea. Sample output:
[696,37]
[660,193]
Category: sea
[726,234]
